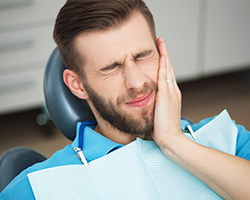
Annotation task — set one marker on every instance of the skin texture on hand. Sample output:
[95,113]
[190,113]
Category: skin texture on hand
[168,100]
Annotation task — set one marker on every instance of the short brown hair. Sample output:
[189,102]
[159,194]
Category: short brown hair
[79,16]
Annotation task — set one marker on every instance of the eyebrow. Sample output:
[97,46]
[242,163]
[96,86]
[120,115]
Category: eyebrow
[116,63]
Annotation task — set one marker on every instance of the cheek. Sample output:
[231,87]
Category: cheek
[110,89]
[150,69]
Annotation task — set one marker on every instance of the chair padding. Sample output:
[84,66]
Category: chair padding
[15,160]
[64,107]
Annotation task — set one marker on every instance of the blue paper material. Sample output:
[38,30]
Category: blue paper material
[137,171]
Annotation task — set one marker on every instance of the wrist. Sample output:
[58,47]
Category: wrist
[171,142]
[178,148]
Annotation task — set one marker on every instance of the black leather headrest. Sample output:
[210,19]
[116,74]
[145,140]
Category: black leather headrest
[64,107]
[15,160]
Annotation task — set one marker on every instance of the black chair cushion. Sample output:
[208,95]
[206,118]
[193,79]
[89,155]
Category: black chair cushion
[15,160]
[64,107]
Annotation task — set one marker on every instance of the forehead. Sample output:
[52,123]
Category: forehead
[99,48]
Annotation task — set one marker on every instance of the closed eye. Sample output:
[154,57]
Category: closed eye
[142,55]
[111,67]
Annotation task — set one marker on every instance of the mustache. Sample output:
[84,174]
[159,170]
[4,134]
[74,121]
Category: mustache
[134,93]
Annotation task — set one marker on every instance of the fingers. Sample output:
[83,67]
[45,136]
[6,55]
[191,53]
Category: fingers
[162,46]
[166,71]
[168,99]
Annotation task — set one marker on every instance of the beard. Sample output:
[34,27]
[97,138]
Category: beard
[123,121]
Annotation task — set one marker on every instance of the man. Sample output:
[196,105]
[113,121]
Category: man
[116,62]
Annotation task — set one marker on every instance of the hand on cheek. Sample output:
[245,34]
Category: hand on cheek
[168,101]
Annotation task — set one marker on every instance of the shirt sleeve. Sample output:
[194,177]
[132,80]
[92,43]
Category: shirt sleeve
[243,143]
[18,189]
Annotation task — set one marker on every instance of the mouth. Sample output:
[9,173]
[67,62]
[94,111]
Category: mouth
[140,101]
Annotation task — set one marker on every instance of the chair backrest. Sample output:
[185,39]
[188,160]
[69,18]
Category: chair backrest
[15,160]
[64,107]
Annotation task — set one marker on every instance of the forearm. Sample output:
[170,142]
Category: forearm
[224,173]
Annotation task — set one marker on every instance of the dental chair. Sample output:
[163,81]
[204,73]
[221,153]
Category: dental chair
[65,109]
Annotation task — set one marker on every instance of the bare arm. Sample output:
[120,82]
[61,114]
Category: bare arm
[227,175]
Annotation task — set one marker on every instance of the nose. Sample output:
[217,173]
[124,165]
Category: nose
[134,77]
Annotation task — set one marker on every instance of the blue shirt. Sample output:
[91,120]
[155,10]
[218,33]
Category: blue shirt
[96,146]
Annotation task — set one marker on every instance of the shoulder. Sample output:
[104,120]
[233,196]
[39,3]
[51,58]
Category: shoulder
[65,156]
[243,142]
[243,138]
[20,187]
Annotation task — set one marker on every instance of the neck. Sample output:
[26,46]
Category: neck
[104,128]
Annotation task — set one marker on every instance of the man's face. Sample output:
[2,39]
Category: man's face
[121,74]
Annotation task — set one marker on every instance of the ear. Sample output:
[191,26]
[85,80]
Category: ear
[74,83]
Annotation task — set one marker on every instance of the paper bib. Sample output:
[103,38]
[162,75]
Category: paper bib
[137,171]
